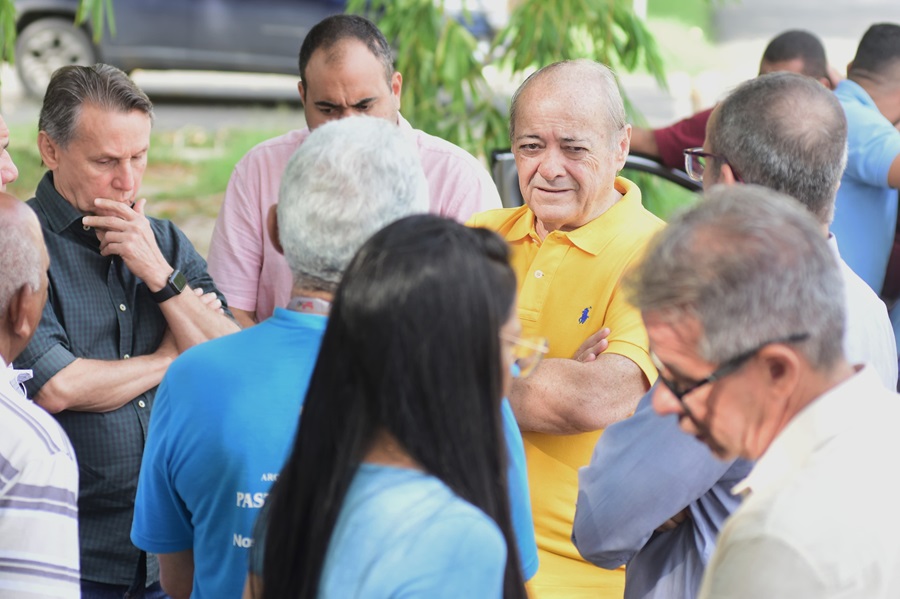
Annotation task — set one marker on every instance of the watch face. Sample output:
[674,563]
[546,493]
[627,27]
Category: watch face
[179,281]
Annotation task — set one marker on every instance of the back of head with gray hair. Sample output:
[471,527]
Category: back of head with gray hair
[786,132]
[595,81]
[100,85]
[752,267]
[348,180]
[20,260]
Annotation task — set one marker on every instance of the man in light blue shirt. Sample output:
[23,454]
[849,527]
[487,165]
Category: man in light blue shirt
[226,413]
[653,497]
[866,211]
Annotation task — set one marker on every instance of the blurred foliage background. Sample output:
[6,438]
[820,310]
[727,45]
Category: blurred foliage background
[455,86]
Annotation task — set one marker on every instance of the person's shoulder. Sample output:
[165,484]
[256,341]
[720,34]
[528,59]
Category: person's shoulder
[436,149]
[30,430]
[223,356]
[282,145]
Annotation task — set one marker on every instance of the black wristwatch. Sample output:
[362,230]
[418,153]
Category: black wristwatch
[174,286]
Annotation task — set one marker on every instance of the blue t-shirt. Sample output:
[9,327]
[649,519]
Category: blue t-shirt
[404,533]
[865,215]
[223,423]
[520,497]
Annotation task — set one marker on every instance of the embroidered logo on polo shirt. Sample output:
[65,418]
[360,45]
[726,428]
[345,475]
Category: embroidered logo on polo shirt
[584,315]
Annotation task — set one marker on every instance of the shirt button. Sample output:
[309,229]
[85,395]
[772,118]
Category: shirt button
[126,356]
[122,307]
[538,274]
[141,403]
[85,227]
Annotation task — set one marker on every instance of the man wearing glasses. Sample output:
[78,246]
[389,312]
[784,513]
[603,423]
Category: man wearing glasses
[794,51]
[652,497]
[739,299]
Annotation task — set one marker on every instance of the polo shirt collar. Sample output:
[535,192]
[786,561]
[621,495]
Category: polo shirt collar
[856,91]
[588,238]
[59,212]
[816,424]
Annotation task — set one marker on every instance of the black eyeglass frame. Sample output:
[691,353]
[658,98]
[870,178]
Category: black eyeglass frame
[689,155]
[724,369]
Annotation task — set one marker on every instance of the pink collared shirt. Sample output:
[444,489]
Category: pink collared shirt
[248,269]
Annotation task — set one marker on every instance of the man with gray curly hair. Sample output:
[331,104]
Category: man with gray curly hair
[742,304]
[226,412]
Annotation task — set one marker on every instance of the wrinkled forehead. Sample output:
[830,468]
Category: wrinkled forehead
[566,116]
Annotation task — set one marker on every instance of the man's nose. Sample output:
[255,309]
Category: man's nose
[124,179]
[8,170]
[551,165]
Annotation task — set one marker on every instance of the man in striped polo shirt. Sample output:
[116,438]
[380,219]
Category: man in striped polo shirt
[38,473]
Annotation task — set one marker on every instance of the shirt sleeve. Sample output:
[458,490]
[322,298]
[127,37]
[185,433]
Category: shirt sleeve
[644,470]
[519,497]
[186,259]
[628,337]
[762,566]
[874,144]
[162,522]
[49,350]
[674,139]
[236,247]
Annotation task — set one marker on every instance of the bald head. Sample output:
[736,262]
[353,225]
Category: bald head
[786,132]
[23,286]
[589,86]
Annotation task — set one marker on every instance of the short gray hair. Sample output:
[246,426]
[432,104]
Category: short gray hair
[752,266]
[786,132]
[20,260]
[100,85]
[349,179]
[588,76]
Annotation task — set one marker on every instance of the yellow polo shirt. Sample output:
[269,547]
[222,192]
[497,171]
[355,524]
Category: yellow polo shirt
[569,289]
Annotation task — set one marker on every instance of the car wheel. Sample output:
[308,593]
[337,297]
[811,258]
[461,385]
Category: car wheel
[46,45]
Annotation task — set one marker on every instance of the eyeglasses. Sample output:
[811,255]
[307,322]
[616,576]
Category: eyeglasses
[695,160]
[527,352]
[725,368]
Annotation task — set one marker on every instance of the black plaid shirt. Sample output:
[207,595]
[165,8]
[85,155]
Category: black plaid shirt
[98,309]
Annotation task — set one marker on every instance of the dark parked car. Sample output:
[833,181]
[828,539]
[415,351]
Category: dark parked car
[260,36]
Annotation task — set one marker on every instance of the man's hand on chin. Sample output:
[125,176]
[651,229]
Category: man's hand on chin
[124,231]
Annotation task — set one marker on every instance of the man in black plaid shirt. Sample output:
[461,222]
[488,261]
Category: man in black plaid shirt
[128,293]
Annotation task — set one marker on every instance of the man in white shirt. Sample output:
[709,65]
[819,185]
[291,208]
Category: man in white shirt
[788,133]
[38,473]
[742,301]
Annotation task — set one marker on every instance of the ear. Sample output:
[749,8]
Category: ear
[623,146]
[397,87]
[23,315]
[272,227]
[302,90]
[781,369]
[726,175]
[49,150]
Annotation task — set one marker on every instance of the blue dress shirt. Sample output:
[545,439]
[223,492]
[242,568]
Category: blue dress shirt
[644,471]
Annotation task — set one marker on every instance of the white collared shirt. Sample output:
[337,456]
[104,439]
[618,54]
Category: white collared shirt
[820,518]
[868,334]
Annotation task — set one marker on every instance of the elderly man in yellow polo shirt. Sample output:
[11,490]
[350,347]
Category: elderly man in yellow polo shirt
[580,229]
